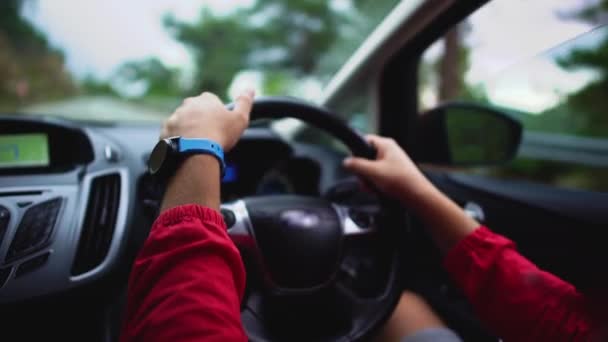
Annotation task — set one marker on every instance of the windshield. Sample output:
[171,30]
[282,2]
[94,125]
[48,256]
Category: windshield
[117,60]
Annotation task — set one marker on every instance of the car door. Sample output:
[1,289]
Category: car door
[548,72]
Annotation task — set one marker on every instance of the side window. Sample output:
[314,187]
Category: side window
[544,62]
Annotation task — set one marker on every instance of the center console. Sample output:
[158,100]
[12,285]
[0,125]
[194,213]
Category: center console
[63,207]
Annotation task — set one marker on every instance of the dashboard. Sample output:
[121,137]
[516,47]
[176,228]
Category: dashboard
[268,166]
[75,198]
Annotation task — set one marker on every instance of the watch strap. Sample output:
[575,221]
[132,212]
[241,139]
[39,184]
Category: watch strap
[202,146]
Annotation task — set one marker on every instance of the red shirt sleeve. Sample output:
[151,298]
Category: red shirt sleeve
[187,281]
[515,299]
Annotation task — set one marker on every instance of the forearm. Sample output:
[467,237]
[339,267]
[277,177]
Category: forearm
[531,305]
[512,296]
[197,181]
[188,278]
[187,281]
[445,221]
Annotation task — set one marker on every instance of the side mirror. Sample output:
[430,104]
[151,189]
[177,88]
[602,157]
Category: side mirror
[463,134]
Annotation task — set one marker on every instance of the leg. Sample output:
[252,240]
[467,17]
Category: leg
[413,316]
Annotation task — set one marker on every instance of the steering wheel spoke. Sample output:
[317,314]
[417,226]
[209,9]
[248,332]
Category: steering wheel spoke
[237,219]
[355,221]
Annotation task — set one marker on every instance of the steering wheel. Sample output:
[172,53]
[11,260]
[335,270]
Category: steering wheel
[303,281]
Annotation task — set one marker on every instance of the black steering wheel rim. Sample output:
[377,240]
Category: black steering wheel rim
[276,107]
[381,308]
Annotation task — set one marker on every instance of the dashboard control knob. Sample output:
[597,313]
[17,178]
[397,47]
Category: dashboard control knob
[111,154]
[475,211]
[229,217]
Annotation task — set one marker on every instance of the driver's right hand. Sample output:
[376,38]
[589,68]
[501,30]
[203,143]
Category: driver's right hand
[206,117]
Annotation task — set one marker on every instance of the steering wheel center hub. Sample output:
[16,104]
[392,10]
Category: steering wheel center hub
[299,239]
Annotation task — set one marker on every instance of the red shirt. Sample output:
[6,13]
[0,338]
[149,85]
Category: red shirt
[516,300]
[188,281]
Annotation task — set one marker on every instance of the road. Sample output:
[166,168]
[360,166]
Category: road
[98,108]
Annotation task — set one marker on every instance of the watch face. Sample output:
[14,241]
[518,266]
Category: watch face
[158,156]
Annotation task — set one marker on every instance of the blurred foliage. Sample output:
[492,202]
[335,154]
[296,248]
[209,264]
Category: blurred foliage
[446,75]
[30,69]
[158,79]
[583,112]
[594,12]
[588,106]
[219,45]
[284,40]
[295,32]
[93,85]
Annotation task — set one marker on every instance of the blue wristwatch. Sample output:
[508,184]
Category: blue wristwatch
[170,152]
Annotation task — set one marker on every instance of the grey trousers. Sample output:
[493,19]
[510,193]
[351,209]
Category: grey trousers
[433,335]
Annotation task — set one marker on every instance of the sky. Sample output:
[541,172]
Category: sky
[98,36]
[520,30]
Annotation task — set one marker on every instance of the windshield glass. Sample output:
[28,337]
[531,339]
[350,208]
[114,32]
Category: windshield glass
[117,60]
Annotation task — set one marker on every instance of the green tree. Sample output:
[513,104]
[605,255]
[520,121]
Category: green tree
[278,37]
[296,32]
[220,47]
[159,79]
[285,40]
[30,69]
[93,85]
[584,111]
[587,107]
[21,34]
[447,75]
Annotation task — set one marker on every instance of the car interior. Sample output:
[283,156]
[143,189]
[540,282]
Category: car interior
[77,202]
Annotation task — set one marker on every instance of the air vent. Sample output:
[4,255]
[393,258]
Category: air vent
[99,223]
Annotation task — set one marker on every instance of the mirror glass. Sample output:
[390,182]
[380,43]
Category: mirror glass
[479,136]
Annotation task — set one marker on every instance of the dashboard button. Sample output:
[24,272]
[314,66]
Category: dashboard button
[32,264]
[35,229]
[229,218]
